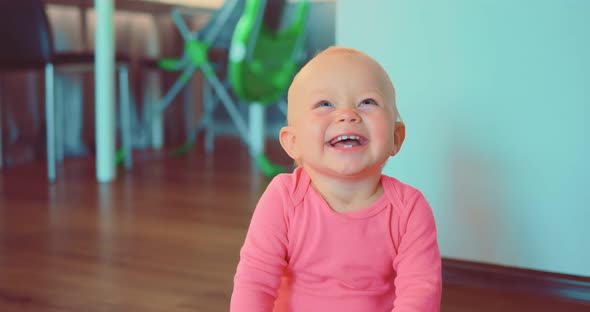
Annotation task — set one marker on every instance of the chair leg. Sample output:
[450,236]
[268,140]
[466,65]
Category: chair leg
[50,120]
[125,112]
[175,89]
[152,121]
[188,106]
[227,102]
[208,107]
[1,160]
[256,116]
[59,85]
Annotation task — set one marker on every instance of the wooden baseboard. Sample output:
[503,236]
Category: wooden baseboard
[476,274]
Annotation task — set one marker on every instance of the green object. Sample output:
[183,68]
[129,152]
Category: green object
[170,64]
[263,62]
[267,168]
[261,66]
[120,156]
[184,149]
[198,52]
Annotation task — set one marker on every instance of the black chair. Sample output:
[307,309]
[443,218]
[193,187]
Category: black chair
[27,44]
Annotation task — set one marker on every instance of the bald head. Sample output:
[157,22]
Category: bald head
[332,61]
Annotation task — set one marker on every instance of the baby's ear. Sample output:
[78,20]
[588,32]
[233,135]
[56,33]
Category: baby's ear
[398,137]
[288,142]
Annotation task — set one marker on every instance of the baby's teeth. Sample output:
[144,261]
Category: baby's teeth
[346,137]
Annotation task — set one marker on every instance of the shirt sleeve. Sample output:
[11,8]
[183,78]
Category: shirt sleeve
[418,281]
[263,255]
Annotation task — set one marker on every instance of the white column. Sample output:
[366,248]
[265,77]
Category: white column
[257,127]
[104,69]
[152,87]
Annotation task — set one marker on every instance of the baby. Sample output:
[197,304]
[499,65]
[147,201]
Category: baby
[337,234]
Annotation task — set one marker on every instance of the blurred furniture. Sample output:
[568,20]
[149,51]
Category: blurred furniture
[216,33]
[27,44]
[105,63]
[263,58]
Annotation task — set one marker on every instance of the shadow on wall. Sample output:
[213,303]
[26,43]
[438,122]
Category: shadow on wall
[476,202]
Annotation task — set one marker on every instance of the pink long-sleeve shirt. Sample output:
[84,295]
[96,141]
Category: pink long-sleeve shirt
[300,255]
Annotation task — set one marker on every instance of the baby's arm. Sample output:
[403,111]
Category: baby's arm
[263,256]
[418,281]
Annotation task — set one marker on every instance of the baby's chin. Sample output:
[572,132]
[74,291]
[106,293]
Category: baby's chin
[349,173]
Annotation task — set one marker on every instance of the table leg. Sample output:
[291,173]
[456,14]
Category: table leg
[104,69]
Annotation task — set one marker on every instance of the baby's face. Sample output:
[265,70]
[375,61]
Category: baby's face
[341,116]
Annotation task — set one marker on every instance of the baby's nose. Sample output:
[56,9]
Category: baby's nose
[349,115]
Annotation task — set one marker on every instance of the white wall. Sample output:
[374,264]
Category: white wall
[496,100]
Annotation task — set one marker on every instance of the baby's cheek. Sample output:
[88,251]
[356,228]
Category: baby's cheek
[383,130]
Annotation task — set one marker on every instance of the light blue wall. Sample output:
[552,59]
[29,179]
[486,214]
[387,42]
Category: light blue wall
[496,99]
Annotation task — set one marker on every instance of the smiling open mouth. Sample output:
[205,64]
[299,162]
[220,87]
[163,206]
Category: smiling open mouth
[348,141]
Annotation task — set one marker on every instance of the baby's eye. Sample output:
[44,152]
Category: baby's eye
[368,102]
[324,104]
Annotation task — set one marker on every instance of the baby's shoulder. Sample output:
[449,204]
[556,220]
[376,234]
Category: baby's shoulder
[291,185]
[399,192]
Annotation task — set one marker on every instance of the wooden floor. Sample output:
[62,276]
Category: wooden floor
[163,237]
